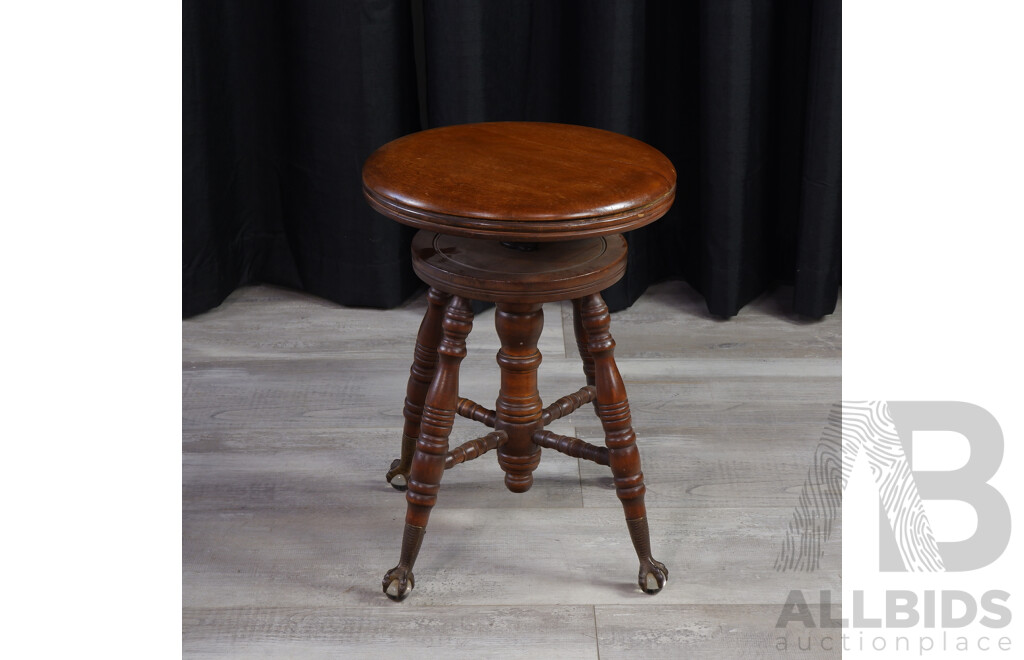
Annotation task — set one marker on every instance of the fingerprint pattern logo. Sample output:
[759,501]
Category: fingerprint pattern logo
[854,428]
[820,505]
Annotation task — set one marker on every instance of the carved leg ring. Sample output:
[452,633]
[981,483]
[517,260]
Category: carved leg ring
[424,364]
[612,408]
[432,444]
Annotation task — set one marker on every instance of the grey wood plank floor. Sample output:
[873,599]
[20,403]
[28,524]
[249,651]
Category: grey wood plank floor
[292,411]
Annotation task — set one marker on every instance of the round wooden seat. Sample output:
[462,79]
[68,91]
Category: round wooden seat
[487,270]
[520,181]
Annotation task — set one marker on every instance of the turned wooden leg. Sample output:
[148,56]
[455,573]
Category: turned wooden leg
[581,340]
[612,408]
[519,406]
[424,363]
[432,444]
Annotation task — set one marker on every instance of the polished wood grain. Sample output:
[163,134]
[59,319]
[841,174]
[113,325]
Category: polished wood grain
[519,406]
[487,270]
[520,181]
[612,407]
[580,335]
[571,446]
[421,374]
[428,463]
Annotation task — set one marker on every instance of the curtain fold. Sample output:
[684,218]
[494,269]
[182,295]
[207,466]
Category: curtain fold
[284,101]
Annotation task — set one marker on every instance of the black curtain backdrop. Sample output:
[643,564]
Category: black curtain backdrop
[284,100]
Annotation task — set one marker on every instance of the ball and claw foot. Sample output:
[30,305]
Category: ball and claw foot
[398,479]
[653,576]
[398,583]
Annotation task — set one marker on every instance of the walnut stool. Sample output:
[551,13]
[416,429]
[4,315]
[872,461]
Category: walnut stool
[519,214]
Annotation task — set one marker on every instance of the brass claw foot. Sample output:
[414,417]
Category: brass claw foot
[396,476]
[653,576]
[398,583]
